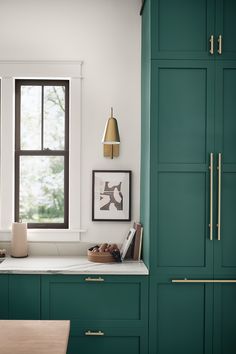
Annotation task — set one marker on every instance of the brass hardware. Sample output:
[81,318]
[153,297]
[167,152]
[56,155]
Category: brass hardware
[203,280]
[211,44]
[220,44]
[90,333]
[211,197]
[111,150]
[94,279]
[219,196]
[111,138]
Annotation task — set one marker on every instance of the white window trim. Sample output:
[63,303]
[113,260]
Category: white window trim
[9,71]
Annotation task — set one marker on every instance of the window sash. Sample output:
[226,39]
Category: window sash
[42,152]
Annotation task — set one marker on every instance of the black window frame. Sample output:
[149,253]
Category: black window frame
[42,151]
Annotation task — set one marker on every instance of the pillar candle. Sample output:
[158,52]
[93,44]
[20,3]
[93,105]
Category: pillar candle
[19,246]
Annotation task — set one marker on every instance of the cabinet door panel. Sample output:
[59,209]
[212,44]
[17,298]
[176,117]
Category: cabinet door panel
[24,297]
[225,249]
[73,300]
[182,210]
[3,296]
[182,115]
[228,109]
[182,28]
[182,139]
[225,25]
[228,239]
[224,318]
[181,319]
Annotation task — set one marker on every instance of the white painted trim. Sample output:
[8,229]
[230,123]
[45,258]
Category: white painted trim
[46,235]
[9,71]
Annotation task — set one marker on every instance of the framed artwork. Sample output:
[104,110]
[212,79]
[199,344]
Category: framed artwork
[111,196]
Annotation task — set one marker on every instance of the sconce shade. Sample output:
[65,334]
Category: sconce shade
[111,133]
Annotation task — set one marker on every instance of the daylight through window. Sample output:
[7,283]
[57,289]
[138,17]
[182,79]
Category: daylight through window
[42,153]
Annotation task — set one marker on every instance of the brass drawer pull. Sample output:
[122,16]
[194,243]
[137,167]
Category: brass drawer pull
[211,44]
[90,333]
[220,44]
[211,196]
[219,195]
[99,279]
[203,280]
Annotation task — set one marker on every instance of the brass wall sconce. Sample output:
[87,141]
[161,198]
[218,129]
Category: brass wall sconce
[111,138]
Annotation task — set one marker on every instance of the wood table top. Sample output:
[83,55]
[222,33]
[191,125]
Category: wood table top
[33,337]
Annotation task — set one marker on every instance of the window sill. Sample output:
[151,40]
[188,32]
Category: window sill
[46,235]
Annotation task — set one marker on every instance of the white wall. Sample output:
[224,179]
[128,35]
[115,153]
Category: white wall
[105,34]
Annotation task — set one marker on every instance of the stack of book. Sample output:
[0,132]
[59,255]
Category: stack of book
[132,245]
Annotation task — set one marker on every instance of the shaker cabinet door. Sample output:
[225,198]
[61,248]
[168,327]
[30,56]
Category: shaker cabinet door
[181,318]
[224,339]
[182,28]
[182,139]
[225,113]
[226,28]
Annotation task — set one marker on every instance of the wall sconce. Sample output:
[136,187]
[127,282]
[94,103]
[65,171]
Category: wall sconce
[111,138]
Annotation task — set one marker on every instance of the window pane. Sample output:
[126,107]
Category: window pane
[42,189]
[54,117]
[31,97]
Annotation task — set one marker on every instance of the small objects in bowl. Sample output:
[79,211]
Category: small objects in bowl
[104,253]
[2,253]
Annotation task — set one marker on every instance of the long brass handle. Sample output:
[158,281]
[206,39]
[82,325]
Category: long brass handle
[219,196]
[220,44]
[203,280]
[211,44]
[211,196]
[90,333]
[99,279]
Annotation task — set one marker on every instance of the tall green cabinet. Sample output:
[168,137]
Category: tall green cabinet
[188,183]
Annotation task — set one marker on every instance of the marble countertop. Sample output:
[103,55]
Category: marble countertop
[69,265]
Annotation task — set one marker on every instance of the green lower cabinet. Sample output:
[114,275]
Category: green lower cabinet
[181,318]
[4,296]
[24,297]
[110,340]
[224,318]
[117,306]
[114,299]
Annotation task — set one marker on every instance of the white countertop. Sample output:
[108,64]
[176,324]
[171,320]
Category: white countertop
[69,265]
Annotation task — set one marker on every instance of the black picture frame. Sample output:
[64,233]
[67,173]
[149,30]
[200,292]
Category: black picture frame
[105,209]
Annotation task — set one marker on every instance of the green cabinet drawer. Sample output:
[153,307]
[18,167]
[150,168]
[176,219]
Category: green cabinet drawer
[113,299]
[24,296]
[3,296]
[113,340]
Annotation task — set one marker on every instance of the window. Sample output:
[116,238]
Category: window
[42,152]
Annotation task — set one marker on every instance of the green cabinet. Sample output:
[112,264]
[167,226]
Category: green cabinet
[110,340]
[182,138]
[182,29]
[225,142]
[107,313]
[181,318]
[4,308]
[188,113]
[24,297]
[20,296]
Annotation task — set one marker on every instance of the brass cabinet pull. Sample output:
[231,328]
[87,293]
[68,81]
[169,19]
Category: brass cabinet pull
[203,280]
[211,196]
[220,44]
[211,44]
[219,196]
[90,333]
[99,279]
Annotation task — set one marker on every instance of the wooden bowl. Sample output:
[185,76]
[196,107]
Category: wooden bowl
[100,257]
